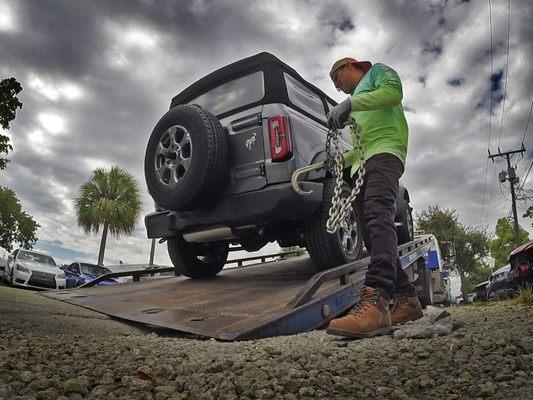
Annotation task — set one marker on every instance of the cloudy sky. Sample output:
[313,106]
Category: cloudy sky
[97,76]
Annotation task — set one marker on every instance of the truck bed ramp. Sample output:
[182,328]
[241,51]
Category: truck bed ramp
[263,300]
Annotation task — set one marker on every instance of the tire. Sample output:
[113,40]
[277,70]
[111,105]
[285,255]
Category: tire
[197,260]
[423,285]
[186,158]
[405,232]
[327,250]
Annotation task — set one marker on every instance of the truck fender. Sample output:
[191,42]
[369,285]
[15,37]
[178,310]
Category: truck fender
[319,174]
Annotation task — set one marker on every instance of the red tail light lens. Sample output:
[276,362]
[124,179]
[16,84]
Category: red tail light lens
[280,138]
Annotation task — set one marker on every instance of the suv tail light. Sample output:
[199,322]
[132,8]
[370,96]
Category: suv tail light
[280,138]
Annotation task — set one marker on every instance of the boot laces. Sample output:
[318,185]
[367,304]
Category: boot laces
[398,301]
[366,301]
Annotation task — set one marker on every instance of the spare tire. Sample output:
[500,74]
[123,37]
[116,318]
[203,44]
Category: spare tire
[186,158]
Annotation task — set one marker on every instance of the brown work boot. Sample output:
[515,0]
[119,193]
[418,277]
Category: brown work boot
[370,317]
[405,309]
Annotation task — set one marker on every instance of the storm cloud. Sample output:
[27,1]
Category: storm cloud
[98,75]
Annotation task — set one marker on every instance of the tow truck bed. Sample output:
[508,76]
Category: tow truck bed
[264,300]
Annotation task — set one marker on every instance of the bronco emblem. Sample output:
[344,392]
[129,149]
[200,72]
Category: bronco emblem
[250,142]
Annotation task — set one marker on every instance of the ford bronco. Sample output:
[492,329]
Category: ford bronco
[219,163]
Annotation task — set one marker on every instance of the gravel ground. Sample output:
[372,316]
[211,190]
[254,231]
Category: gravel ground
[488,355]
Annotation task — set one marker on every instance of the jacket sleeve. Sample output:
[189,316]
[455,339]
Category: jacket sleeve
[387,93]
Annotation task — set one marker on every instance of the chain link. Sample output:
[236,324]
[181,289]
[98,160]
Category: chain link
[341,207]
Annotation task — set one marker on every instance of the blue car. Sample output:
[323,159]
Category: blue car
[79,273]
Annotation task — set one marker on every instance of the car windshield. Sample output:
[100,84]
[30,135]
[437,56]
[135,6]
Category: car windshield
[522,259]
[35,257]
[94,269]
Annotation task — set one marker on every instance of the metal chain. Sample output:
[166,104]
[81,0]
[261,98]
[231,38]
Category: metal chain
[341,207]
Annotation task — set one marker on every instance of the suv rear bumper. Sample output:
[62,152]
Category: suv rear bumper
[272,203]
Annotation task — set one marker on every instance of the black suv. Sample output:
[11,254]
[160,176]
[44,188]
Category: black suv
[219,164]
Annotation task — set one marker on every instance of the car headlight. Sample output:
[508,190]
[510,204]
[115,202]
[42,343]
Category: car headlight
[23,269]
[60,275]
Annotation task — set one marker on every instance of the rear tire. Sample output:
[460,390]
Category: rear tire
[405,232]
[423,285]
[327,250]
[197,260]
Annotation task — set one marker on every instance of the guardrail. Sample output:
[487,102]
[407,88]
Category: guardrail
[136,274]
[263,258]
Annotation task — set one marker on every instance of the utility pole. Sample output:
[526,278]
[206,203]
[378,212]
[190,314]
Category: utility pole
[513,179]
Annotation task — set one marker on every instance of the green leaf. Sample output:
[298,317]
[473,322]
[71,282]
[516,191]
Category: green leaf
[15,224]
[110,198]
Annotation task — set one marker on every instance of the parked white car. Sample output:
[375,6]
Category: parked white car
[32,269]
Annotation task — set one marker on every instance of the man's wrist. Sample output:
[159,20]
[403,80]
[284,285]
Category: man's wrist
[348,104]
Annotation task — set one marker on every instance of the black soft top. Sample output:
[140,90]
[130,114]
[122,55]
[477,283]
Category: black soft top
[273,68]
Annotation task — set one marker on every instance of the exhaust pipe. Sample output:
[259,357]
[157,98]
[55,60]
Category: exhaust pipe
[217,234]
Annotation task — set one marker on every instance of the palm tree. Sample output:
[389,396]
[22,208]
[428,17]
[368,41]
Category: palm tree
[110,199]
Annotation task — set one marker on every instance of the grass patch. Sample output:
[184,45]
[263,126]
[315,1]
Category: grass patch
[477,303]
[524,295]
[485,303]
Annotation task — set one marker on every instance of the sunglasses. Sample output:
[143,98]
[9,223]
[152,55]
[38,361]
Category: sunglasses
[335,77]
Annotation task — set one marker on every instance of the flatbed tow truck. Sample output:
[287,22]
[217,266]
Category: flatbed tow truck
[257,301]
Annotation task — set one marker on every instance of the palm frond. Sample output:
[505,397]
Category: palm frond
[109,198]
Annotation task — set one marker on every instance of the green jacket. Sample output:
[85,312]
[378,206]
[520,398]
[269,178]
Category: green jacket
[377,107]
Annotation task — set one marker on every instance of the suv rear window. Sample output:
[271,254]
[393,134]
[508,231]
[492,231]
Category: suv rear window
[302,97]
[234,94]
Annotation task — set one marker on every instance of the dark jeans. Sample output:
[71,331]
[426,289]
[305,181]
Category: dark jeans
[375,207]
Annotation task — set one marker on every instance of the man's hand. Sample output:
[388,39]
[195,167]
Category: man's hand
[338,116]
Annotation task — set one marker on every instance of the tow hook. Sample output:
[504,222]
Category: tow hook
[300,171]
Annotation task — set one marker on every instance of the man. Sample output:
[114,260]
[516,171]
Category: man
[375,103]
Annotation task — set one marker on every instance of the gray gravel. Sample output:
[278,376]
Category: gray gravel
[488,354]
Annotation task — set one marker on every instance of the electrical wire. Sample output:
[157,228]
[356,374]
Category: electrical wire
[526,175]
[503,194]
[490,117]
[506,68]
[524,199]
[484,190]
[490,196]
[527,123]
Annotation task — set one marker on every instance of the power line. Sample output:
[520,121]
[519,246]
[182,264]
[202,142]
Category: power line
[490,117]
[484,191]
[501,191]
[527,123]
[506,67]
[525,176]
[527,160]
[490,77]
[490,196]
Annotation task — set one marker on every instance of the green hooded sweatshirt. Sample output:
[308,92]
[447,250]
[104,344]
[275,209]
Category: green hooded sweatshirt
[377,107]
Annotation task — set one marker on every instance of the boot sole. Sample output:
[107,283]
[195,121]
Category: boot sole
[359,335]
